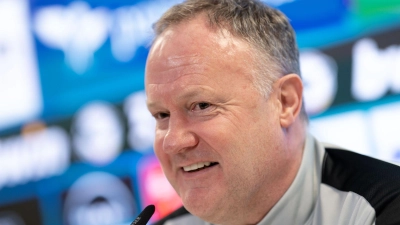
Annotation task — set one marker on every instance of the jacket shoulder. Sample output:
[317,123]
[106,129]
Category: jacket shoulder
[377,181]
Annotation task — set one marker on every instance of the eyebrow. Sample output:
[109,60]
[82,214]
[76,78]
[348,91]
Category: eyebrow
[191,93]
[186,95]
[150,104]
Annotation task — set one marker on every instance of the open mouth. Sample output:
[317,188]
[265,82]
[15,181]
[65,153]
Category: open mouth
[198,166]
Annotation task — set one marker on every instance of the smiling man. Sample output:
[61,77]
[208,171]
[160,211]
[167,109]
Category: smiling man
[223,83]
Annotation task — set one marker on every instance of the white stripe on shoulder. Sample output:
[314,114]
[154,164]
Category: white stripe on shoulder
[185,220]
[341,207]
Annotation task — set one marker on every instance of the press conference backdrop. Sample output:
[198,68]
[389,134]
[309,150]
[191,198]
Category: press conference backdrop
[75,136]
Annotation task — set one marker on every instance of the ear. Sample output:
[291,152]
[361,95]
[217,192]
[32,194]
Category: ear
[290,95]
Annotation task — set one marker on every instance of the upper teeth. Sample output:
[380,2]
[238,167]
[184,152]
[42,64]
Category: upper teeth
[196,166]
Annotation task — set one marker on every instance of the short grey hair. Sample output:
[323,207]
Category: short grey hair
[266,29]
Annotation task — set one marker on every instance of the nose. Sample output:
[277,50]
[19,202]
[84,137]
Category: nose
[179,137]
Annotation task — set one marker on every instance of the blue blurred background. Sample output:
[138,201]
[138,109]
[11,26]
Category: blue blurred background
[75,135]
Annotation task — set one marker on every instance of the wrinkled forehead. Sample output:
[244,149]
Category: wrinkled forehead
[195,31]
[192,42]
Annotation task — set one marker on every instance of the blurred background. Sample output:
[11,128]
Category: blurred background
[75,135]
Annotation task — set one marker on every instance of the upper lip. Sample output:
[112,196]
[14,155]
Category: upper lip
[196,165]
[194,162]
[181,166]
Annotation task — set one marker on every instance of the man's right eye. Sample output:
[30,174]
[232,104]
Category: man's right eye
[161,115]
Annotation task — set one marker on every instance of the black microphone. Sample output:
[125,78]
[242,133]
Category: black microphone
[144,216]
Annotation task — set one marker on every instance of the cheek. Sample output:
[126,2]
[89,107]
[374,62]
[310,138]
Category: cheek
[159,150]
[227,140]
[158,143]
[217,135]
[163,158]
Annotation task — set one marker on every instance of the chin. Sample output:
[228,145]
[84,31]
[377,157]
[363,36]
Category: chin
[206,211]
[200,207]
[205,214]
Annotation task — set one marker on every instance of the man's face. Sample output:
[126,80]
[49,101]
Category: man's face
[209,115]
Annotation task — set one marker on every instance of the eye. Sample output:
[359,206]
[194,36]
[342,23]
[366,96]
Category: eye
[161,115]
[201,106]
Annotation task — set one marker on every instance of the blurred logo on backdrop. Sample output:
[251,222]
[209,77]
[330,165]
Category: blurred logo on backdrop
[37,154]
[97,133]
[79,30]
[20,98]
[76,30]
[21,213]
[319,75]
[140,122]
[98,198]
[368,72]
[375,70]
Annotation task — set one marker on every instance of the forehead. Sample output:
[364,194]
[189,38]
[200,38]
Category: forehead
[194,44]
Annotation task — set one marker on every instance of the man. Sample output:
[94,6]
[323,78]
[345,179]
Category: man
[222,81]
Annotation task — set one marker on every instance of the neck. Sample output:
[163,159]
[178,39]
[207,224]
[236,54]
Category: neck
[264,201]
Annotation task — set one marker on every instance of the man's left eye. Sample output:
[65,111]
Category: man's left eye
[201,106]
